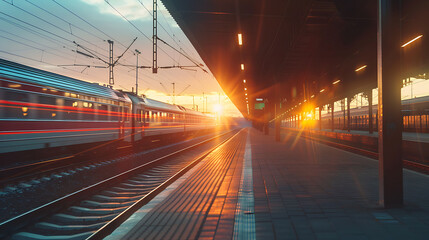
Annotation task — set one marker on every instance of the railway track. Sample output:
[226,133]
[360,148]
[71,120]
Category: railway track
[46,167]
[96,210]
[424,168]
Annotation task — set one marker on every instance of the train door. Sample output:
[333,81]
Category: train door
[184,117]
[143,120]
[121,122]
[133,119]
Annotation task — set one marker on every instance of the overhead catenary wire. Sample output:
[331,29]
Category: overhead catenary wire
[32,41]
[94,53]
[138,29]
[56,41]
[46,37]
[64,42]
[36,60]
[170,36]
[28,45]
[60,18]
[196,63]
[183,48]
[193,61]
[100,29]
[53,25]
[162,26]
[93,26]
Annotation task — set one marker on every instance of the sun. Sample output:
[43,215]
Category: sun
[217,108]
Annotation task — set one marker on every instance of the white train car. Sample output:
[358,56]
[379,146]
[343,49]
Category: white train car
[39,109]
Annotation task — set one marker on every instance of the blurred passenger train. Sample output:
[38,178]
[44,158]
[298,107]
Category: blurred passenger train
[40,109]
[415,113]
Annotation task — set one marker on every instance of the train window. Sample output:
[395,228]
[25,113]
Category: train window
[137,116]
[126,114]
[121,114]
[103,112]
[146,119]
[15,96]
[48,112]
[71,112]
[20,112]
[88,113]
[142,115]
[154,116]
[114,114]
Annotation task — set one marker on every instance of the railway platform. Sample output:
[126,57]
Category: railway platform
[252,187]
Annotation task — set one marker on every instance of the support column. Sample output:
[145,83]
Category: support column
[332,117]
[389,103]
[344,113]
[277,123]
[370,120]
[298,120]
[320,118]
[348,114]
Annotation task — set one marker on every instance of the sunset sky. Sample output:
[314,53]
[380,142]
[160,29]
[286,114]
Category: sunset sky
[41,34]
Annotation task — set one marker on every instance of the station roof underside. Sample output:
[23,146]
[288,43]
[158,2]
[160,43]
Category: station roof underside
[293,49]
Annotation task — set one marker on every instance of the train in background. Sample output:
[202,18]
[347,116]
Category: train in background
[40,109]
[415,113]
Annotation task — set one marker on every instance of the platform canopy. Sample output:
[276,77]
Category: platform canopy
[291,49]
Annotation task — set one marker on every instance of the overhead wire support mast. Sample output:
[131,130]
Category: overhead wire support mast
[137,71]
[111,79]
[155,37]
[111,64]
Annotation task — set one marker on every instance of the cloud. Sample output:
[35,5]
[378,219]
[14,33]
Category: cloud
[132,10]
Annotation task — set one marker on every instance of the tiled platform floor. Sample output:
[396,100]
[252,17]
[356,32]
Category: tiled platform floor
[307,190]
[302,190]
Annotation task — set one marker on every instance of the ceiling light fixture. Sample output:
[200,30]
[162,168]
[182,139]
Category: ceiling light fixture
[240,39]
[242,67]
[361,68]
[336,81]
[414,39]
[322,90]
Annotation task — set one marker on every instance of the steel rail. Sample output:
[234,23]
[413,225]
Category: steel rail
[118,220]
[51,165]
[10,226]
